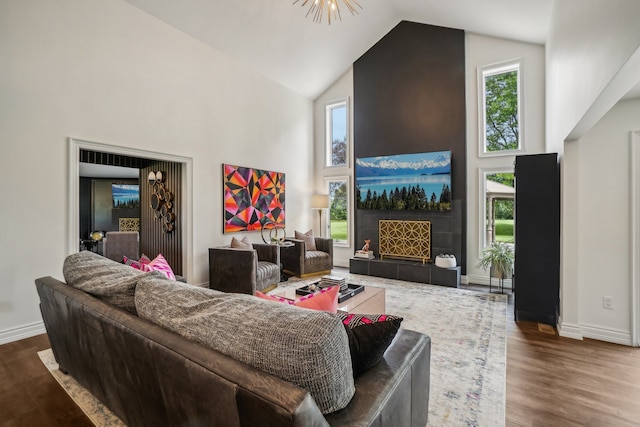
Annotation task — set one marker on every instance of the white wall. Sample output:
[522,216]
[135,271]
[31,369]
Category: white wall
[482,51]
[589,41]
[342,88]
[107,72]
[604,226]
[589,56]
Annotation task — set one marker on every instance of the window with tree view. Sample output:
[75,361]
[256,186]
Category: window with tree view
[501,109]
[339,209]
[499,213]
[337,147]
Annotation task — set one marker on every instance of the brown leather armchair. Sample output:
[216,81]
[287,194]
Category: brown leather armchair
[299,261]
[244,271]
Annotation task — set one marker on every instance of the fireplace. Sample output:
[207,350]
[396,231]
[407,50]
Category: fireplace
[405,239]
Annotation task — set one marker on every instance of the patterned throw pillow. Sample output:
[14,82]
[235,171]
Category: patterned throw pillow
[309,240]
[324,300]
[369,336]
[159,263]
[139,264]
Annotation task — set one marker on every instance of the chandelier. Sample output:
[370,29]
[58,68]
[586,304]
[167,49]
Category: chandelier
[317,8]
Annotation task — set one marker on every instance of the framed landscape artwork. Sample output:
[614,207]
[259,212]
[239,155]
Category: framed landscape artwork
[420,181]
[252,197]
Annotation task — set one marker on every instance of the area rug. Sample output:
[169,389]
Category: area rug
[96,411]
[468,346]
[468,354]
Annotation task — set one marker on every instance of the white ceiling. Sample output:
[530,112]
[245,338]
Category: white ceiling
[274,38]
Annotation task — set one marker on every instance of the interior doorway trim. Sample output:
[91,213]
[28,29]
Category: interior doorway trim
[75,145]
[635,238]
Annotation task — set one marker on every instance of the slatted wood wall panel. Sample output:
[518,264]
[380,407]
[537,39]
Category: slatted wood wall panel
[152,239]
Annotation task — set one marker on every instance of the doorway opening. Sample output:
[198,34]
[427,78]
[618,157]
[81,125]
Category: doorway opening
[178,245]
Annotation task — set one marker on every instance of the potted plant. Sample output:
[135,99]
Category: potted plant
[499,257]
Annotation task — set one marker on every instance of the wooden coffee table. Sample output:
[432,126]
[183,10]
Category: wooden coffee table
[369,301]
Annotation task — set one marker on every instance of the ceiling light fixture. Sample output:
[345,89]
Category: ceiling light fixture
[332,7]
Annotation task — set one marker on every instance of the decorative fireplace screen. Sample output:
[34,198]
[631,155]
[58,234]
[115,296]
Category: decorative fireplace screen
[405,239]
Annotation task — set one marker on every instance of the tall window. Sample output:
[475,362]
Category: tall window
[500,109]
[337,132]
[338,188]
[497,207]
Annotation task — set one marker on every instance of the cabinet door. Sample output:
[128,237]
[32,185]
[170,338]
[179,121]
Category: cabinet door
[537,236]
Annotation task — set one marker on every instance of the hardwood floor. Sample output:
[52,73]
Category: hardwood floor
[551,381]
[29,396]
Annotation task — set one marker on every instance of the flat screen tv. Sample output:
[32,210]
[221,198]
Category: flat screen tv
[420,181]
[125,196]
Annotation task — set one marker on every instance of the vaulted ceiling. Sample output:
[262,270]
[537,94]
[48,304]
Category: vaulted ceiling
[274,38]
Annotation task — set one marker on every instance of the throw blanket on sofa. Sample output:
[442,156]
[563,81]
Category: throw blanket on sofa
[305,347]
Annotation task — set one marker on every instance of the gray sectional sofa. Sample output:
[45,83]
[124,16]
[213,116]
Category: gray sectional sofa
[180,355]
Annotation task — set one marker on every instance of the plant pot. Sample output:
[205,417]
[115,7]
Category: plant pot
[494,272]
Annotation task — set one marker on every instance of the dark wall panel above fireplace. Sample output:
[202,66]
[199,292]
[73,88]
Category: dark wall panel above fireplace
[409,97]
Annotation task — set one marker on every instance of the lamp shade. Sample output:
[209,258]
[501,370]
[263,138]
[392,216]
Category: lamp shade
[319,201]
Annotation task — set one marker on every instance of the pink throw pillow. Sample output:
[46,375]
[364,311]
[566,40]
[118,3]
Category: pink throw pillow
[139,264]
[324,300]
[159,263]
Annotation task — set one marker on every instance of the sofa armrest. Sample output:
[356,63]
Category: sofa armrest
[268,252]
[233,270]
[395,392]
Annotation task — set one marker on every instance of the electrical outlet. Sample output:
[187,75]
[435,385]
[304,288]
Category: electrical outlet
[607,302]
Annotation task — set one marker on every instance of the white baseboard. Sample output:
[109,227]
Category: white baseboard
[616,336]
[341,262]
[569,330]
[22,332]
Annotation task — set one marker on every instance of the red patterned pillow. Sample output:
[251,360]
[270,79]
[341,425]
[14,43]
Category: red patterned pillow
[160,264]
[324,300]
[139,264]
[369,336]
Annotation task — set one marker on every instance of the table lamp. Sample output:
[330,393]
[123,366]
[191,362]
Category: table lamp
[320,202]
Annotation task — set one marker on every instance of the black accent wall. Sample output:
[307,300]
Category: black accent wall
[409,97]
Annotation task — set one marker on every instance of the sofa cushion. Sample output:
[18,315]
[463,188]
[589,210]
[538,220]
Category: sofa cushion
[309,240]
[369,336]
[103,278]
[307,348]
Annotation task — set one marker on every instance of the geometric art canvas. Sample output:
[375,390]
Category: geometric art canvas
[251,197]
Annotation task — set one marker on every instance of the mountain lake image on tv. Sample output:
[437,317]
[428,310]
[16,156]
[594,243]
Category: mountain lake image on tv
[125,196]
[420,181]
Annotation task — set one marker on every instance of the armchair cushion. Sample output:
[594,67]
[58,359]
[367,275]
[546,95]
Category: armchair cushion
[309,241]
[241,244]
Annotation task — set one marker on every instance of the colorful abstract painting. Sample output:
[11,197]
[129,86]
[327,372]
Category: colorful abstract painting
[251,197]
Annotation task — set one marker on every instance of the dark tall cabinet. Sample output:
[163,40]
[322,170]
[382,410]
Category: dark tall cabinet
[537,234]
